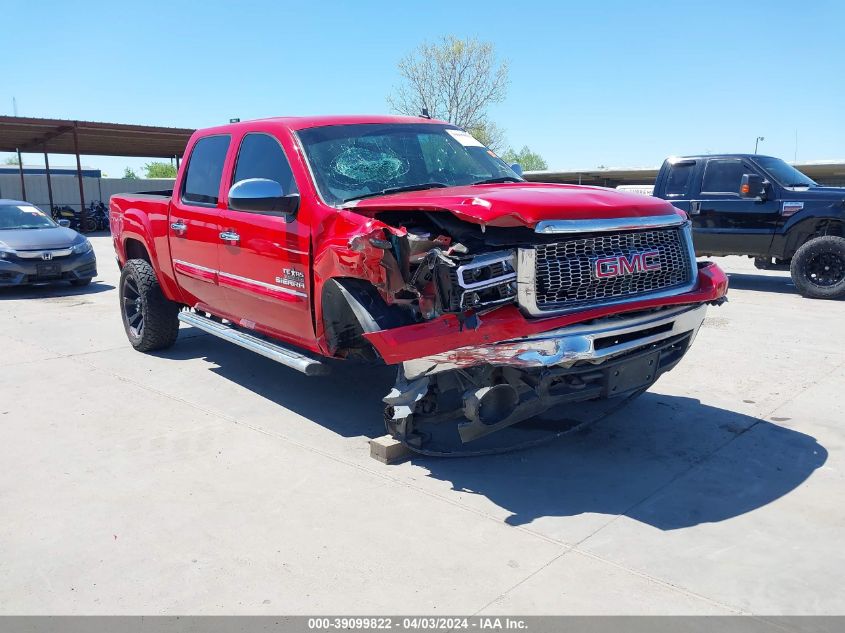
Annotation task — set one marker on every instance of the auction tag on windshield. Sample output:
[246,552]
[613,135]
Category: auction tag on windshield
[464,138]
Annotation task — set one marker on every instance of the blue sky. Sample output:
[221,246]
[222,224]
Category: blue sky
[606,83]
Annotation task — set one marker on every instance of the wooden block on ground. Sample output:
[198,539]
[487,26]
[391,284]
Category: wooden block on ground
[388,450]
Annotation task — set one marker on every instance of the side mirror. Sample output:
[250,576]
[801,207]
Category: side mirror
[64,223]
[752,186]
[517,168]
[260,195]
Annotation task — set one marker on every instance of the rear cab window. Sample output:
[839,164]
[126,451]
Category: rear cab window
[205,169]
[679,178]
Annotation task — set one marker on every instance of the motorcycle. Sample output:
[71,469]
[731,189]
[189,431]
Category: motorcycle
[100,213]
[66,212]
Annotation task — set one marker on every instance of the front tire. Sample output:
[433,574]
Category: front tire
[818,268]
[150,319]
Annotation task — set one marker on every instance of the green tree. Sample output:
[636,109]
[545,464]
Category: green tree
[455,80]
[130,174]
[160,170]
[528,160]
[11,160]
[490,134]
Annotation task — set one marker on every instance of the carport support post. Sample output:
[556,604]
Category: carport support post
[49,185]
[79,178]
[20,169]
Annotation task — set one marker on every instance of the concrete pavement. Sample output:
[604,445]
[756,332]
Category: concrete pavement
[208,480]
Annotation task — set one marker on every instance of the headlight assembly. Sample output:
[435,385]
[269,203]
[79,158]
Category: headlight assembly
[82,248]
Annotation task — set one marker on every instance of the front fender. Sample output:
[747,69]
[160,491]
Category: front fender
[345,250]
[815,218]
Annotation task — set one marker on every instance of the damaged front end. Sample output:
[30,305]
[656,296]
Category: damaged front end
[481,389]
[404,269]
[478,319]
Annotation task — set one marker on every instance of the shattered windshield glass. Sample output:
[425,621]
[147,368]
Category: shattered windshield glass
[361,160]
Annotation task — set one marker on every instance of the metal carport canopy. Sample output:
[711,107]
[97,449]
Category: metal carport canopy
[60,136]
[91,138]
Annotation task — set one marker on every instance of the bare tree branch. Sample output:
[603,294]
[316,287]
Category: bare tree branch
[455,80]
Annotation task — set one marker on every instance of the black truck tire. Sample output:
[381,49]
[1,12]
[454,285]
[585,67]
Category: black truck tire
[818,268]
[150,319]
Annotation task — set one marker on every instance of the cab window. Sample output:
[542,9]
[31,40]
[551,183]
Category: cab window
[261,156]
[205,167]
[678,180]
[723,176]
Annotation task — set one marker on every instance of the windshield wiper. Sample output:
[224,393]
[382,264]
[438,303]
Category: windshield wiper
[491,181]
[389,190]
[800,184]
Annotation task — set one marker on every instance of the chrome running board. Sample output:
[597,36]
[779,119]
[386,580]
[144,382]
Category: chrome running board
[288,357]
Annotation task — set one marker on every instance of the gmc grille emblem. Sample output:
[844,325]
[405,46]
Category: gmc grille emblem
[47,256]
[618,265]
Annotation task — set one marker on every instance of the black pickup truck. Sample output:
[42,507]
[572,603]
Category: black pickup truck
[762,207]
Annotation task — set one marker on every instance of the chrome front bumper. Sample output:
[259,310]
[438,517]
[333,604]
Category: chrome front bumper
[595,342]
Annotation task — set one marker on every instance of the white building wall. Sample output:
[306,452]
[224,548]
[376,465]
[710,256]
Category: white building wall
[66,188]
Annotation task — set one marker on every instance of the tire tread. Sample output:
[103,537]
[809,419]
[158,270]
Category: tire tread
[802,256]
[161,316]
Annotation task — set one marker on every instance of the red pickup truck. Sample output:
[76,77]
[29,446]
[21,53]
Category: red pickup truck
[405,241]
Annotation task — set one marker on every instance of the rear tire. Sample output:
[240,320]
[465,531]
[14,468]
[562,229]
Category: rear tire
[818,268]
[150,319]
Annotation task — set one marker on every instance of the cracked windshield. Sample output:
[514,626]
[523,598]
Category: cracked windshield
[350,162]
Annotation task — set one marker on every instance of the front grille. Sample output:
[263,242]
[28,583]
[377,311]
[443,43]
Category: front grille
[565,270]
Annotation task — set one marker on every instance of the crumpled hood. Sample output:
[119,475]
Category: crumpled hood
[520,204]
[36,239]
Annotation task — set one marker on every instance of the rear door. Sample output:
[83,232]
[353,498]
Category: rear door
[723,222]
[194,224]
[264,263]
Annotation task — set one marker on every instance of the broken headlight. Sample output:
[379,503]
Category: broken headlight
[477,282]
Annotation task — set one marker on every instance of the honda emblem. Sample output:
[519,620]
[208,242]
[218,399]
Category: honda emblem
[46,256]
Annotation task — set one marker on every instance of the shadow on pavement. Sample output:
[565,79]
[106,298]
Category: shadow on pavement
[721,463]
[762,283]
[53,289]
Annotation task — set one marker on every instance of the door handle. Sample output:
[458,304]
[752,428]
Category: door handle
[229,236]
[694,207]
[179,226]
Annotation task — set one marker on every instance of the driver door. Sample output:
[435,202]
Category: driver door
[264,259]
[725,223]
